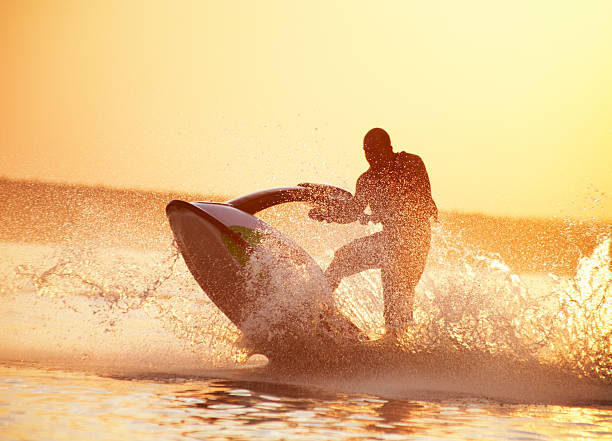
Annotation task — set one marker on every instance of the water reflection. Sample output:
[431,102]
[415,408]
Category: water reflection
[275,411]
[40,404]
[295,409]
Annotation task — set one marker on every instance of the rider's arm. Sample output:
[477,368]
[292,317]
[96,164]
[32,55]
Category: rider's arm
[347,211]
[352,210]
[425,190]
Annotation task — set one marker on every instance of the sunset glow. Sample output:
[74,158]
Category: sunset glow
[508,104]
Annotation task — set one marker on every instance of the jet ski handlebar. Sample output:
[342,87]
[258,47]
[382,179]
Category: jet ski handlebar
[318,194]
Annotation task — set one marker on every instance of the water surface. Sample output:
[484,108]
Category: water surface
[105,335]
[41,403]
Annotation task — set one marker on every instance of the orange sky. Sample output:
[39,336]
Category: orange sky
[509,104]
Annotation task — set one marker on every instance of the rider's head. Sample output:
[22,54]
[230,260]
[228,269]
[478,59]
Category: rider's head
[377,147]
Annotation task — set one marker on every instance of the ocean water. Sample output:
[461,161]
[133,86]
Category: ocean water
[106,342]
[39,403]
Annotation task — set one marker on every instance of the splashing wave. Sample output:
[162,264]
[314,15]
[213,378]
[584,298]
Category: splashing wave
[467,301]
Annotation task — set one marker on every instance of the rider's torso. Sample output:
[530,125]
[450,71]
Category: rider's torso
[394,193]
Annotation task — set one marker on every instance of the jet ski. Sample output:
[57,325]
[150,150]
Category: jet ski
[263,281]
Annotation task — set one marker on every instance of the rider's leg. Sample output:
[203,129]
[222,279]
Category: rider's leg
[356,256]
[401,271]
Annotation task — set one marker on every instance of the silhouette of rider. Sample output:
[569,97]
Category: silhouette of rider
[396,188]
